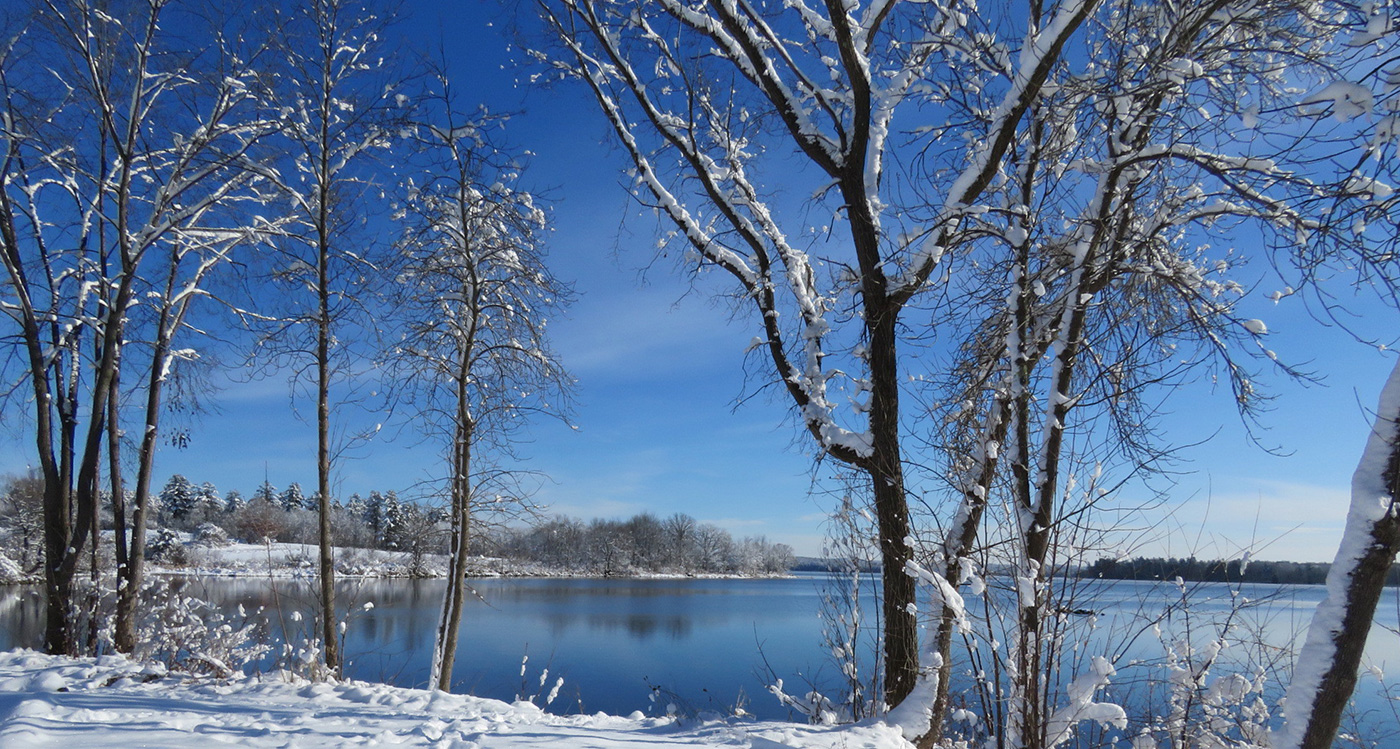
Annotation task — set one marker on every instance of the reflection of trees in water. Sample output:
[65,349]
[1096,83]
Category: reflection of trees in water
[638,626]
[22,611]
[643,626]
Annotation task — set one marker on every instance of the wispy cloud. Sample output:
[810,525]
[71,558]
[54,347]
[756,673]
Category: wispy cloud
[1273,519]
[648,329]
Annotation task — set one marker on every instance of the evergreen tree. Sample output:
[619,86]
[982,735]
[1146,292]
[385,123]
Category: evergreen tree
[374,516]
[393,519]
[178,497]
[357,506]
[292,498]
[208,498]
[234,501]
[267,493]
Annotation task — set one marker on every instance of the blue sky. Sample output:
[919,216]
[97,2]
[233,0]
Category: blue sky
[660,371]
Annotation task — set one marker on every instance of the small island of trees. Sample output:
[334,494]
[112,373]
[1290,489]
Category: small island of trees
[1192,569]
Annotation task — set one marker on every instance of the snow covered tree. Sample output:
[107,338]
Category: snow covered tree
[391,522]
[178,497]
[1078,174]
[209,501]
[710,103]
[356,506]
[1355,113]
[265,492]
[141,158]
[233,501]
[1105,272]
[474,297]
[374,516]
[292,498]
[341,101]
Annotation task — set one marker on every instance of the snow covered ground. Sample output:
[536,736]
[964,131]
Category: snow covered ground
[47,701]
[299,560]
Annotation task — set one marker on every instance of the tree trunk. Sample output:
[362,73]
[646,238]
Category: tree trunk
[323,458]
[891,510]
[1326,672]
[445,652]
[132,576]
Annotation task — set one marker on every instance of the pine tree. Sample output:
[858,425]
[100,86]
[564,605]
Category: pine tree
[234,501]
[267,493]
[374,516]
[393,519]
[208,499]
[357,506]
[292,498]
[178,497]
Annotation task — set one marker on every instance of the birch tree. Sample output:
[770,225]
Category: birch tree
[475,299]
[709,99]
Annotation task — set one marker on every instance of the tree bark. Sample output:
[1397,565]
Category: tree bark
[1326,673]
[323,457]
[445,654]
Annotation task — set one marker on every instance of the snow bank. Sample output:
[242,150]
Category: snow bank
[286,560]
[49,701]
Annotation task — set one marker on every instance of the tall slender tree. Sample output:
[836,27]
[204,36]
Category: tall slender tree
[476,299]
[342,99]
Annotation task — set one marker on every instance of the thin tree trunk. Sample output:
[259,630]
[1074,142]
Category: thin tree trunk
[962,536]
[120,545]
[323,460]
[445,653]
[132,577]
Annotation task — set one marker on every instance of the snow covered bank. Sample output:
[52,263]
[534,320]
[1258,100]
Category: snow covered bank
[48,701]
[288,560]
[299,560]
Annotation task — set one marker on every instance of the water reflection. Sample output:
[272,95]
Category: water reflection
[708,641]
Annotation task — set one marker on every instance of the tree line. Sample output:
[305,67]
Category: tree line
[1216,571]
[677,544]
[380,520]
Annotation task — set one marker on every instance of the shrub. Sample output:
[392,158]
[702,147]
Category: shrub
[209,534]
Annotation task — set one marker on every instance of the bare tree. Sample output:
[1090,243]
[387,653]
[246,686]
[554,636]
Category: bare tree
[706,99]
[475,297]
[341,101]
[142,154]
[1110,273]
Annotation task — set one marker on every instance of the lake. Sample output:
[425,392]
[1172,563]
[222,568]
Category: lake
[704,643]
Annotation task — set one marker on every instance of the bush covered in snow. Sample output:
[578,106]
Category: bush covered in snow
[163,545]
[188,634]
[209,534]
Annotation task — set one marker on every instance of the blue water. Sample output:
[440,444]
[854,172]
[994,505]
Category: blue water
[624,645]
